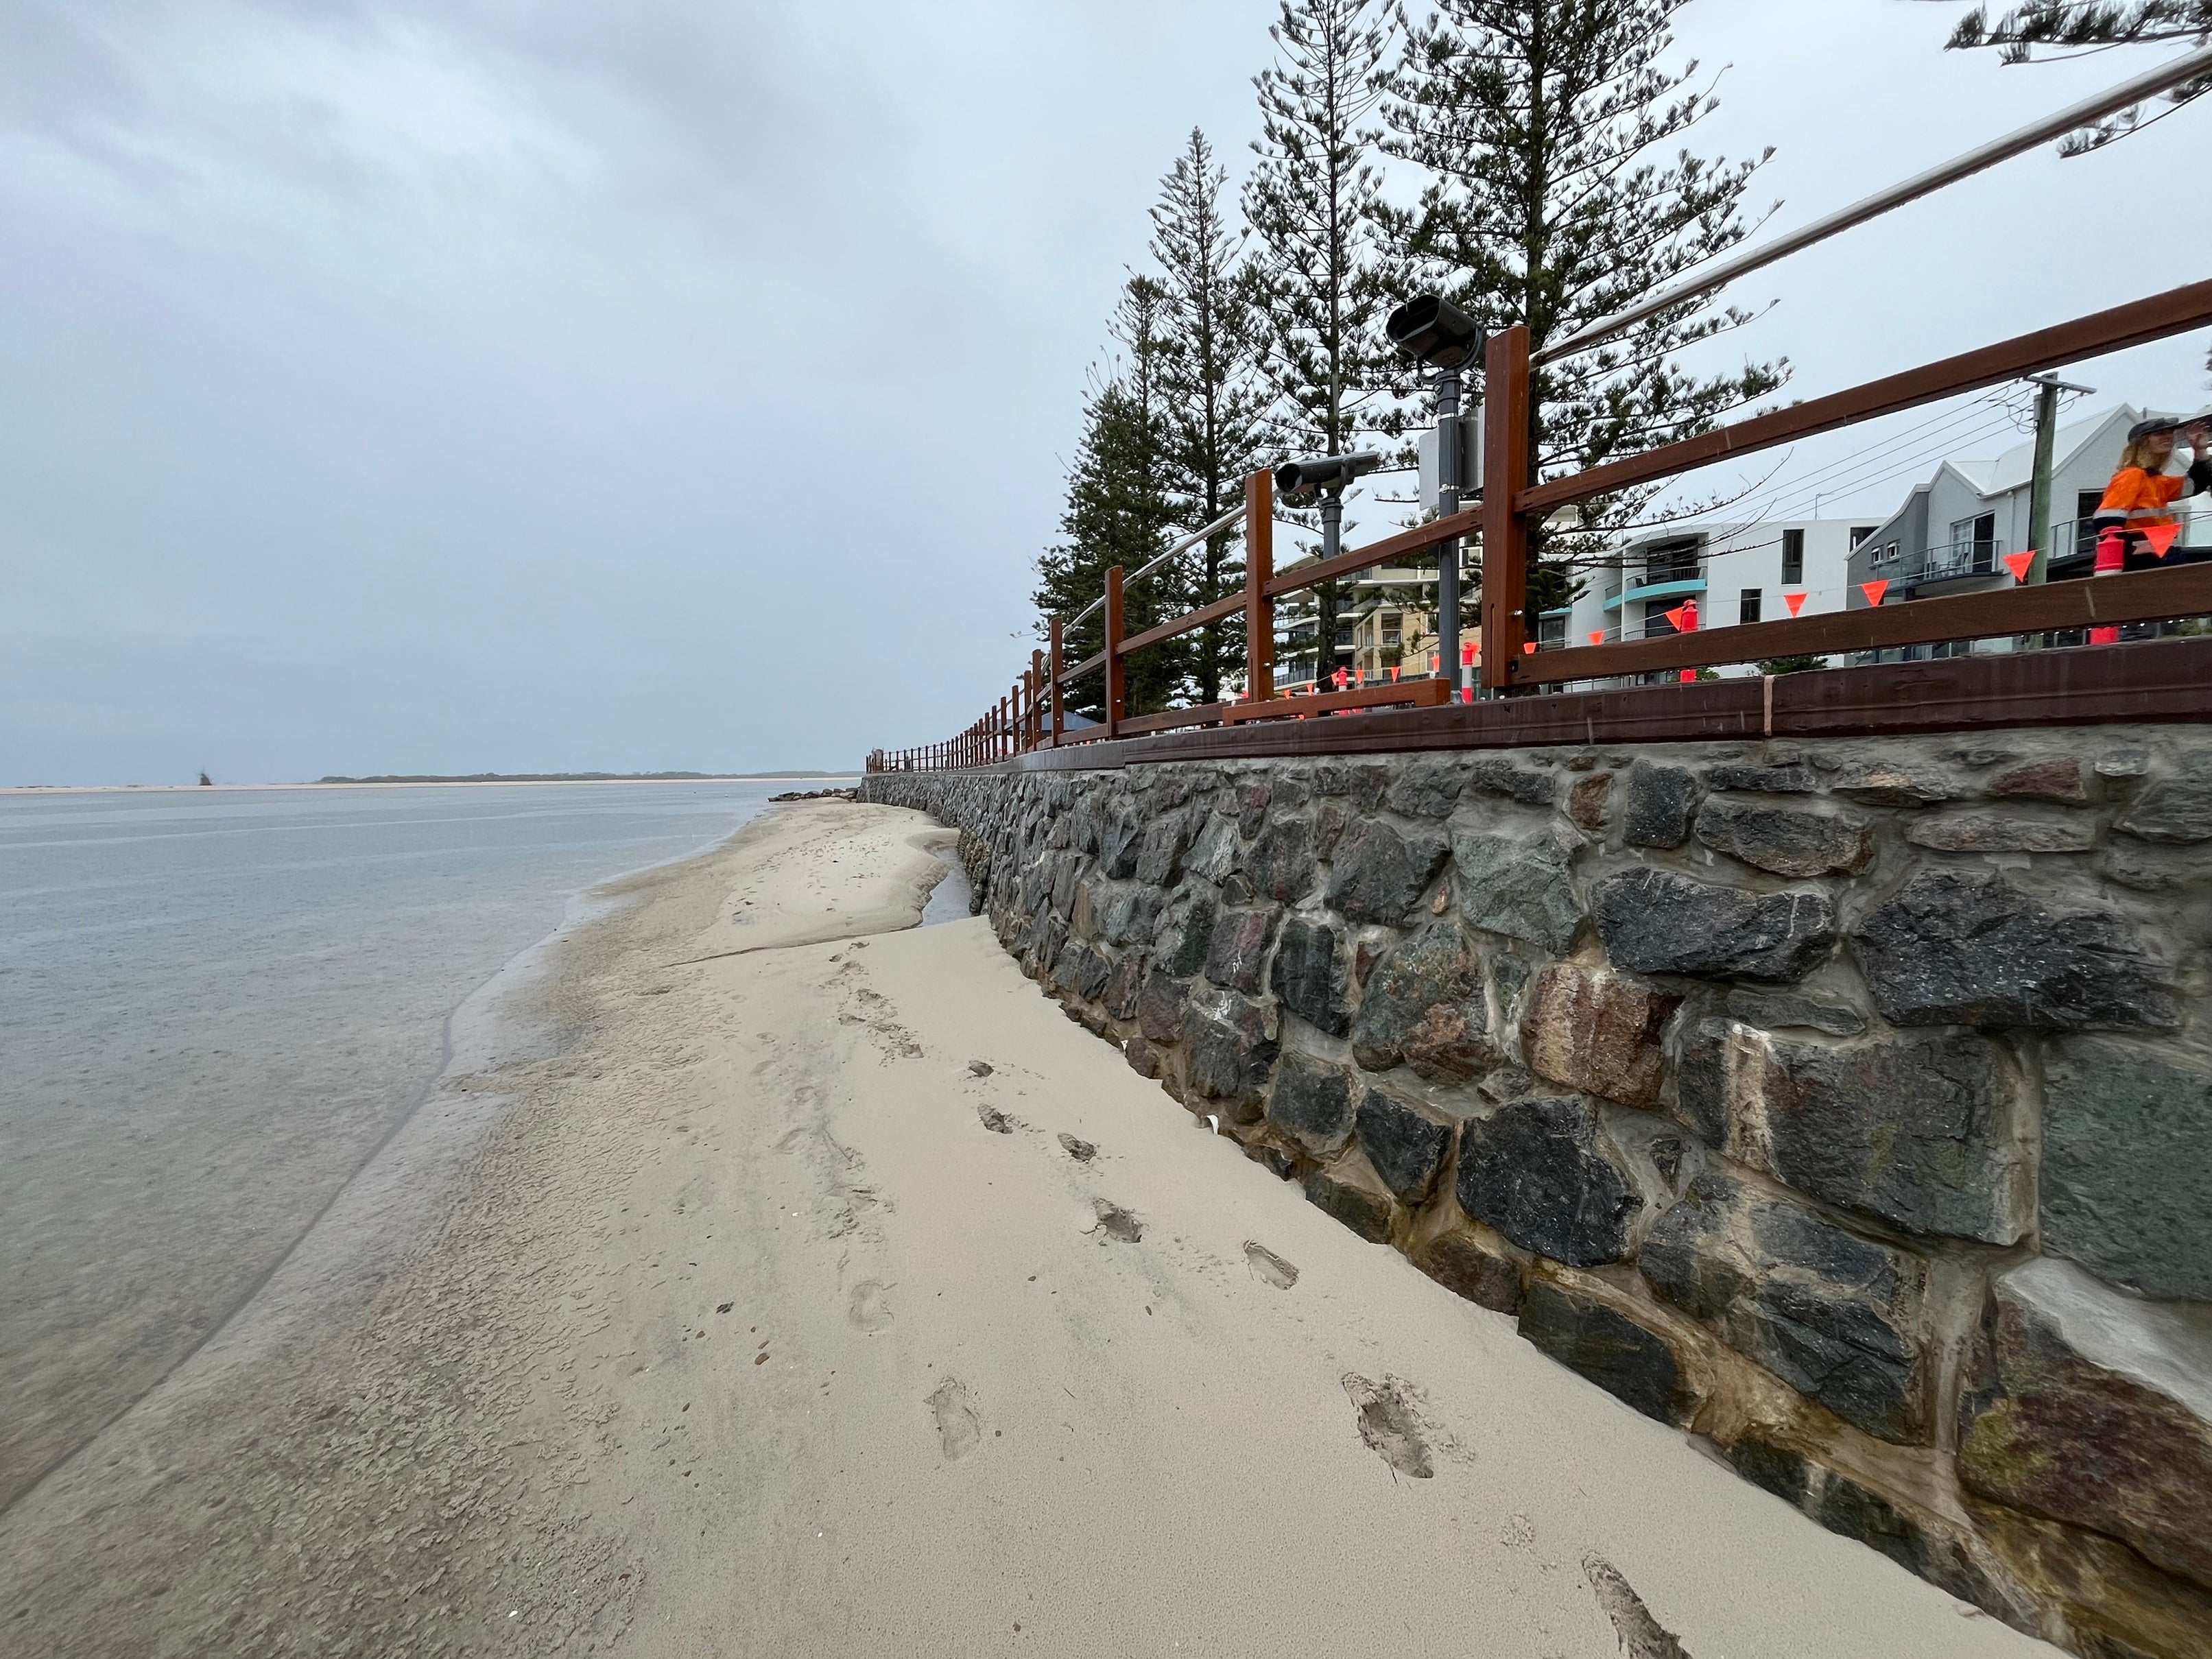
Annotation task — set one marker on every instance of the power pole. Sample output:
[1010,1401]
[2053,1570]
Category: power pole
[2047,388]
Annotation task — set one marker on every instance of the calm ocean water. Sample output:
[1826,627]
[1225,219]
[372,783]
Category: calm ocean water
[213,1008]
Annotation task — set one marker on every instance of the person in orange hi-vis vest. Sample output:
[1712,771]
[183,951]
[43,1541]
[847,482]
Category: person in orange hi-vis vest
[2143,492]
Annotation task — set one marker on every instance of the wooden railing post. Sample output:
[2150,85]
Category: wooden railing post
[1259,571]
[1058,667]
[1115,675]
[1036,694]
[1506,430]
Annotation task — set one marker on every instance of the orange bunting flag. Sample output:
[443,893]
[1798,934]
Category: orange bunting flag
[2018,564]
[1795,601]
[1677,617]
[1597,636]
[1466,655]
[1527,647]
[1874,591]
[1689,676]
[1394,673]
[2161,537]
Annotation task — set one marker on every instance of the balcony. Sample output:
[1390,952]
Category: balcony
[1959,561]
[1681,588]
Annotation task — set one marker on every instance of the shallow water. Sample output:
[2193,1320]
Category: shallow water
[214,1008]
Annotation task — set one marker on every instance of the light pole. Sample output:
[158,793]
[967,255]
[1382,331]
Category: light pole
[1433,331]
[2047,388]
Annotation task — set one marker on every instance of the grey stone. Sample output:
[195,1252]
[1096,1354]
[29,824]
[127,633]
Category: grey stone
[1123,987]
[1921,1133]
[1427,789]
[2123,764]
[1184,934]
[1130,914]
[1499,777]
[1472,1267]
[2093,1408]
[1227,1054]
[1654,921]
[1404,1140]
[2000,832]
[1120,842]
[1629,1361]
[1778,1009]
[1359,1204]
[1311,1103]
[1538,1172]
[1953,948]
[1423,1007]
[1365,782]
[1160,860]
[1661,801]
[1281,864]
[1308,975]
[1519,885]
[1238,956]
[1790,778]
[2176,810]
[2127,1165]
[1787,839]
[1376,874]
[1250,802]
[1161,1006]
[1887,783]
[1331,819]
[2150,869]
[1213,854]
[1835,1315]
[1144,1058]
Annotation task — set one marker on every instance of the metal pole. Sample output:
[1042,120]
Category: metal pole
[1449,473]
[1183,546]
[2038,498]
[2184,68]
[1332,534]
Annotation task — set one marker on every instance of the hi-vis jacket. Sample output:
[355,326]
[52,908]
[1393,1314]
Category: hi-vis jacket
[2138,499]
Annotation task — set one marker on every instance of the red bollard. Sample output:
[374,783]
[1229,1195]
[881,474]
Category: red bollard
[2111,559]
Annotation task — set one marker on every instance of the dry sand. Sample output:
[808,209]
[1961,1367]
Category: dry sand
[765,1319]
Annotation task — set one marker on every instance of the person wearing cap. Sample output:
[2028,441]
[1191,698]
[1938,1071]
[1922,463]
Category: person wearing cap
[2143,492]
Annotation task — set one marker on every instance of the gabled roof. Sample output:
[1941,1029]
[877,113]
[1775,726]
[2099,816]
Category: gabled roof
[2015,468]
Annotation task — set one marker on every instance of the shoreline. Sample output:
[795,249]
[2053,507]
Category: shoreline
[842,1291]
[39,789]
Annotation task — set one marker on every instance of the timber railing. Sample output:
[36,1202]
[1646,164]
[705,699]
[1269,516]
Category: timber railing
[1032,715]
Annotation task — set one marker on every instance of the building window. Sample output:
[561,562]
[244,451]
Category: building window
[1886,555]
[1861,532]
[1657,624]
[1672,562]
[1748,607]
[1793,561]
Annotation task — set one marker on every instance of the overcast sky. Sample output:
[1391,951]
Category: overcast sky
[395,385]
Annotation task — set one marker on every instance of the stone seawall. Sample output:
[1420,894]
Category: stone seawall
[1848,1104]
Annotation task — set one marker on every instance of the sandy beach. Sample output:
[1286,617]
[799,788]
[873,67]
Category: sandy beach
[821,1286]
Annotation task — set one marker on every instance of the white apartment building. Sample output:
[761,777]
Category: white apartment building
[1735,573]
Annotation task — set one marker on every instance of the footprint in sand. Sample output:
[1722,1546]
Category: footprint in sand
[1268,1268]
[995,1121]
[1115,1223]
[869,1309]
[1389,1425]
[1641,1637]
[1081,1151]
[958,1428]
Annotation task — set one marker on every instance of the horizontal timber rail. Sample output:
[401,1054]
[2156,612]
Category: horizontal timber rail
[1529,691]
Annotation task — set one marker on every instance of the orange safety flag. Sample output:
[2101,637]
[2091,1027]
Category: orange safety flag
[2161,537]
[1680,616]
[1874,591]
[1597,636]
[1795,601]
[2018,564]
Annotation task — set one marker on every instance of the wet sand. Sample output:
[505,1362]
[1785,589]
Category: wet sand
[776,1314]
